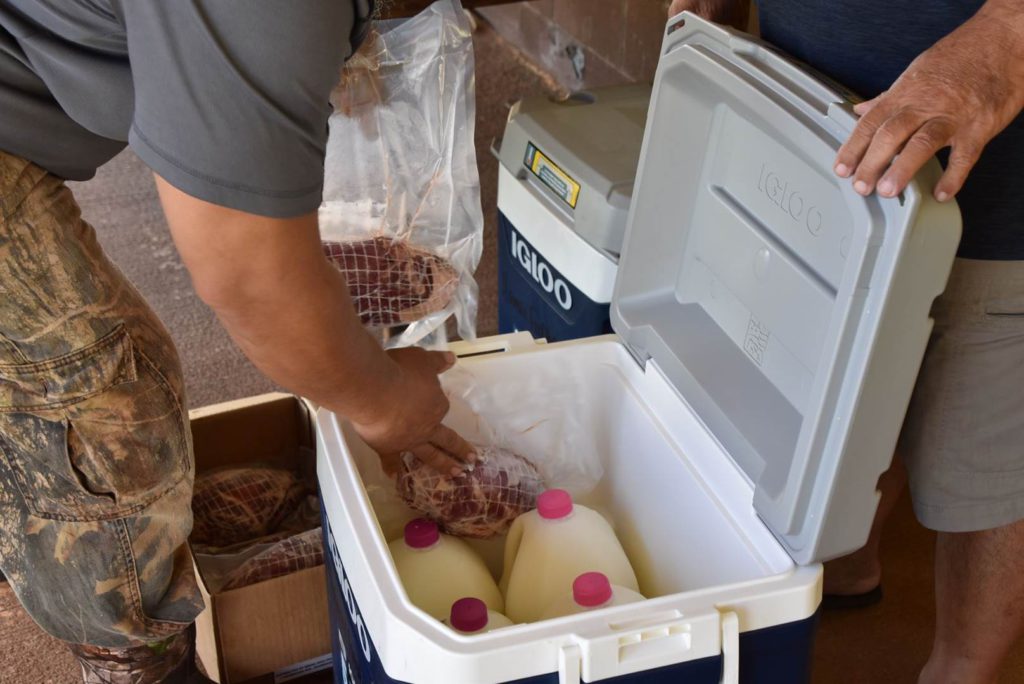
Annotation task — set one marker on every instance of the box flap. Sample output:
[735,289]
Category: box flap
[757,281]
[281,621]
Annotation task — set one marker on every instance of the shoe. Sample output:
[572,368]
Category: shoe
[852,601]
[173,661]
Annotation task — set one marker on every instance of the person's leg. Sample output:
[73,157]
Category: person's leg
[861,571]
[979,600]
[964,450]
[95,449]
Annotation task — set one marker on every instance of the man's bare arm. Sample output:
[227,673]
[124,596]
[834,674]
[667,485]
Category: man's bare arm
[289,310]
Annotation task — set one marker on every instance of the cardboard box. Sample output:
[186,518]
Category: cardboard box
[281,625]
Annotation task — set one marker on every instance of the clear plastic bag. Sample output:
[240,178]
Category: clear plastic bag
[550,425]
[401,215]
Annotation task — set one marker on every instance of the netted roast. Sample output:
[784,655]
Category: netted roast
[391,282]
[480,504]
[236,505]
[298,552]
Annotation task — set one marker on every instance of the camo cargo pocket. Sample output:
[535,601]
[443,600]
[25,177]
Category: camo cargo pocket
[96,434]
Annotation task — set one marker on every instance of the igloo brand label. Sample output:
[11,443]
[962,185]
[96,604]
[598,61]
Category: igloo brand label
[356,619]
[541,272]
[787,197]
[356,660]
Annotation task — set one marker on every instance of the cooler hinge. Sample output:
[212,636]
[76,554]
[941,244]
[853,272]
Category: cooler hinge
[641,357]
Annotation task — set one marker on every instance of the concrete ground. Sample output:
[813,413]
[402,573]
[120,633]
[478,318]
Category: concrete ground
[884,644]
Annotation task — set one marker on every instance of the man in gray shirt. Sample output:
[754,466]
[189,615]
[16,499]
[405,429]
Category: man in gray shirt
[227,102]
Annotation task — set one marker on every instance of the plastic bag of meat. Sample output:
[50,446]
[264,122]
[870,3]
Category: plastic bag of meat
[401,214]
[391,282]
[293,554]
[235,505]
[482,503]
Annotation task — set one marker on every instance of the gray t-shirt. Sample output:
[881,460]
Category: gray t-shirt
[225,99]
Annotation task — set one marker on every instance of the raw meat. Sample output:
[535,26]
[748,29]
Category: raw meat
[295,553]
[234,505]
[480,504]
[391,282]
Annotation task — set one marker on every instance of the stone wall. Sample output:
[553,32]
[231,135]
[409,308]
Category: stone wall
[585,43]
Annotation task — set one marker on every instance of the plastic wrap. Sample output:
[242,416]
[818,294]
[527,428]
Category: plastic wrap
[401,214]
[549,425]
[296,553]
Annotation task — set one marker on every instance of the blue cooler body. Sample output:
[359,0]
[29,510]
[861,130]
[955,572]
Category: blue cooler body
[535,296]
[769,323]
[564,187]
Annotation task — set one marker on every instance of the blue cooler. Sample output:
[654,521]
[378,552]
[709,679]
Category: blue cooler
[769,323]
[565,181]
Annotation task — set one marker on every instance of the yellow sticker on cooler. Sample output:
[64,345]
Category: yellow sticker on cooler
[555,178]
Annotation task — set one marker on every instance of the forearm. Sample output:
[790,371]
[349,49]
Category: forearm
[1010,14]
[298,326]
[281,301]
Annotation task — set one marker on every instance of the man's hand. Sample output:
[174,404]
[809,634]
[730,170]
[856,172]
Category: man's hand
[730,12]
[409,409]
[289,310]
[960,93]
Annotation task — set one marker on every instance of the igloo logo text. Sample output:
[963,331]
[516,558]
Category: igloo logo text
[541,271]
[350,601]
[789,199]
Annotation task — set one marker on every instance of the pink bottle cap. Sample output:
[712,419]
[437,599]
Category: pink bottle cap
[554,504]
[591,589]
[421,533]
[468,615]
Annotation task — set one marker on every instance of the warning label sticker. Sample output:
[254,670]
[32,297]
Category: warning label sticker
[548,172]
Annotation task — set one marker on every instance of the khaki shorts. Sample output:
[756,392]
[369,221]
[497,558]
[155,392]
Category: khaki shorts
[963,441]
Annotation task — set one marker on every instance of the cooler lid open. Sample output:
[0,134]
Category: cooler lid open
[759,283]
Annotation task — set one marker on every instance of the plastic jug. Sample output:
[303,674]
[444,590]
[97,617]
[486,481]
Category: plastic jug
[551,546]
[437,570]
[591,591]
[471,616]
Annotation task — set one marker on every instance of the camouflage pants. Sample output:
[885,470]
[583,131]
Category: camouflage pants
[95,451]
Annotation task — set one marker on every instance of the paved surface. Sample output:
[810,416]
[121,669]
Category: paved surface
[884,644]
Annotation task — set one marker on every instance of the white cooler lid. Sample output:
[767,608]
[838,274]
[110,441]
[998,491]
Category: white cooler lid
[754,278]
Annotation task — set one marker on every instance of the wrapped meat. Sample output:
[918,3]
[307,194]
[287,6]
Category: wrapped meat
[234,505]
[480,504]
[391,282]
[293,554]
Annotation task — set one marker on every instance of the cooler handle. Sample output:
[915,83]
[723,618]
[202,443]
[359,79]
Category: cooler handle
[569,664]
[730,648]
[650,643]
